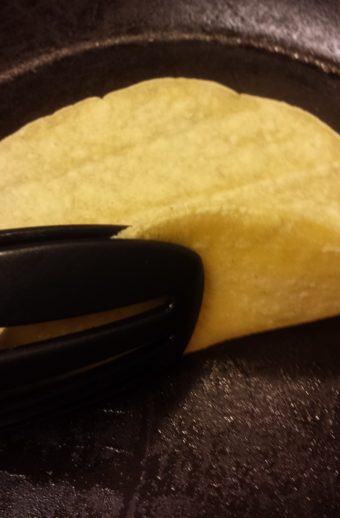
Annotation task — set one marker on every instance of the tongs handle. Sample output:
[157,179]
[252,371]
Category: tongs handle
[64,272]
[53,280]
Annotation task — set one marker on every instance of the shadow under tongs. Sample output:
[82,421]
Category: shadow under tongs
[301,352]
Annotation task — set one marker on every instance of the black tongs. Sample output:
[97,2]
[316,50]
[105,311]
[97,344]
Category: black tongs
[52,273]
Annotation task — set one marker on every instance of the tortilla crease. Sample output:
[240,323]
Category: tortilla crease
[251,184]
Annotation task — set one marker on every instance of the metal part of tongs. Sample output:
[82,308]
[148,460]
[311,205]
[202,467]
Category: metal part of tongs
[51,273]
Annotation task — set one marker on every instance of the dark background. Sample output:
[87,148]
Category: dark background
[249,428]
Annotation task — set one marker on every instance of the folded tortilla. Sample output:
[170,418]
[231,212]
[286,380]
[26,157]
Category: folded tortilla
[251,184]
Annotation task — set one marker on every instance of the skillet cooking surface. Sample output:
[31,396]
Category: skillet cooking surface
[251,427]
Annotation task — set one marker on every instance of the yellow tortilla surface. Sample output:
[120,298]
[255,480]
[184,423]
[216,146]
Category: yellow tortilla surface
[251,184]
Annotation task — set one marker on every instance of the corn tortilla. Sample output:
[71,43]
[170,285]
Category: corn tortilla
[251,184]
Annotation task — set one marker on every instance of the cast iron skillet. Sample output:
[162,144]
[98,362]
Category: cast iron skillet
[251,427]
